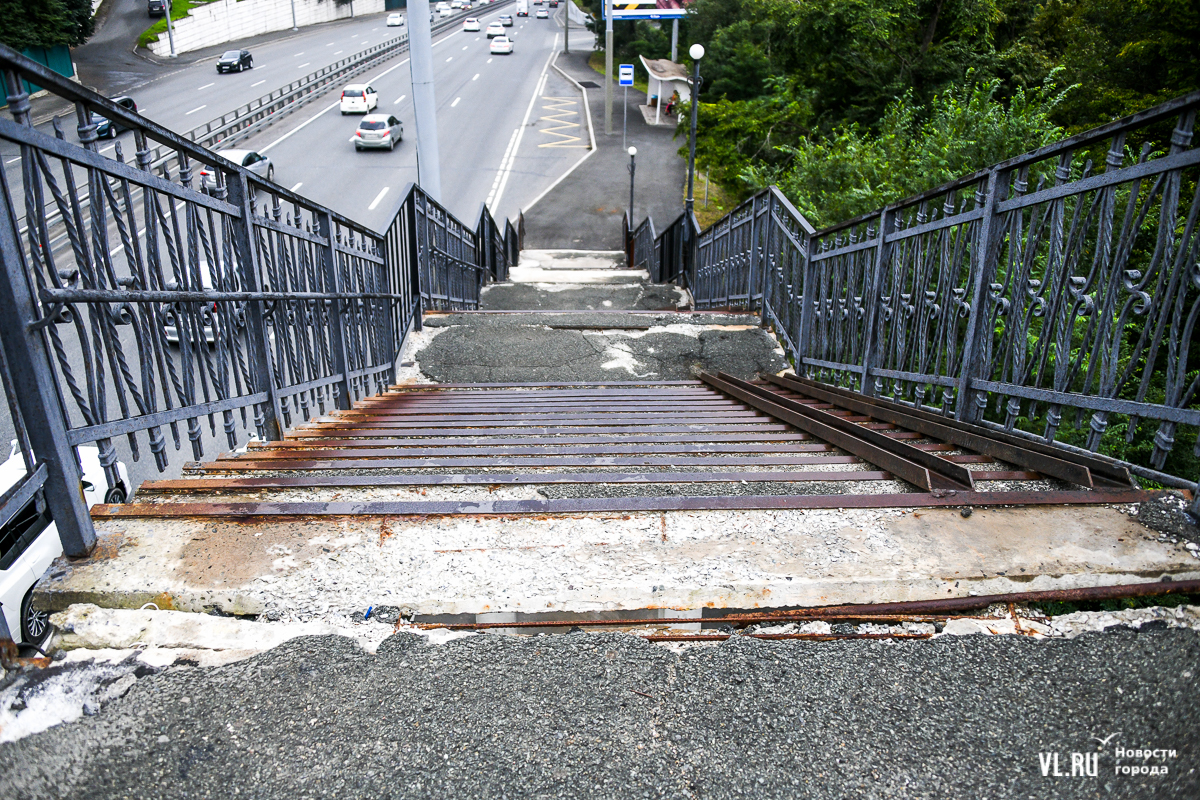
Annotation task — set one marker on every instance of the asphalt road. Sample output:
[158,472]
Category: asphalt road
[604,715]
[492,114]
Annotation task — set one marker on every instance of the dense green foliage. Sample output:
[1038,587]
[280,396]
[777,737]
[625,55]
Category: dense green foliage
[848,104]
[45,23]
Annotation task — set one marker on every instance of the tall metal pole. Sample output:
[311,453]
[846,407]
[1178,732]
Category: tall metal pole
[608,56]
[170,30]
[566,7]
[632,168]
[420,45]
[294,16]
[674,38]
[697,53]
[625,118]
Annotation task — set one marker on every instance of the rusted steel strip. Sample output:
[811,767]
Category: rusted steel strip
[735,619]
[530,409]
[489,440]
[1098,467]
[815,637]
[499,449]
[547,385]
[974,438]
[500,478]
[940,498]
[709,398]
[957,477]
[479,420]
[901,467]
[1006,475]
[250,465]
[534,430]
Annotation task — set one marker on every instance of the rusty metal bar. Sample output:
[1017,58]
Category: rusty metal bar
[919,455]
[899,466]
[939,498]
[622,439]
[498,449]
[533,430]
[249,465]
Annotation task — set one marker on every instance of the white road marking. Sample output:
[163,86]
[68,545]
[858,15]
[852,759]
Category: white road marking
[338,52]
[194,110]
[205,86]
[260,83]
[106,149]
[297,186]
[331,44]
[503,164]
[506,170]
[489,61]
[464,48]
[476,39]
[398,99]
[13,160]
[476,77]
[305,64]
[448,60]
[452,105]
[297,55]
[378,198]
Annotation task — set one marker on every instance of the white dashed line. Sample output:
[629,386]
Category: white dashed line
[378,198]
[260,83]
[338,52]
[205,86]
[297,55]
[398,99]
[297,186]
[13,160]
[194,110]
[110,147]
[476,77]
[489,61]
[465,47]
[305,64]
[452,105]
[448,60]
[331,44]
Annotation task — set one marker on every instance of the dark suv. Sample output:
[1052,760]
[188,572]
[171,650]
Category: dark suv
[235,61]
[156,8]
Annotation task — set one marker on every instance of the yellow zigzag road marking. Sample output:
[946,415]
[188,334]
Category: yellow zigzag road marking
[561,108]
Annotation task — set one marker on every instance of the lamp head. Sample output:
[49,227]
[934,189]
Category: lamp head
[633,151]
[696,51]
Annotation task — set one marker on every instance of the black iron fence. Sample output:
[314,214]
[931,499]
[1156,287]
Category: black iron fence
[152,298]
[1056,294]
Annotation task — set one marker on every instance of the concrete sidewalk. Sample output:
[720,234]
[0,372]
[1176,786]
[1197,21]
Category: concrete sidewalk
[584,211]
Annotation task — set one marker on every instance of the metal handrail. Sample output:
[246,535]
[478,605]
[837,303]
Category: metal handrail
[245,305]
[1053,289]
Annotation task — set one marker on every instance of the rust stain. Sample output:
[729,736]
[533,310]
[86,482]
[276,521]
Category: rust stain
[385,531]
[164,601]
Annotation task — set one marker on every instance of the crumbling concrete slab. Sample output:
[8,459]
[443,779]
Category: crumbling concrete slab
[604,562]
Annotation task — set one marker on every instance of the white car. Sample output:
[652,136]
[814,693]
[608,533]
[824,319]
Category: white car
[542,14]
[396,21]
[470,24]
[502,45]
[359,98]
[495,29]
[259,164]
[443,6]
[29,543]
[378,130]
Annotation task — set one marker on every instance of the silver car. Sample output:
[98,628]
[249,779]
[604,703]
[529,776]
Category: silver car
[258,164]
[378,130]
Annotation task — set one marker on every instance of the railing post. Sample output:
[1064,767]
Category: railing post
[871,301]
[333,284]
[768,252]
[37,397]
[809,278]
[414,257]
[983,263]
[262,371]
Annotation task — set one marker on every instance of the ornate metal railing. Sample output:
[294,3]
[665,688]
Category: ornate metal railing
[1047,295]
[189,298]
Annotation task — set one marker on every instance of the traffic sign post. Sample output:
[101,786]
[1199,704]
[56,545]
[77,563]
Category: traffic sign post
[625,79]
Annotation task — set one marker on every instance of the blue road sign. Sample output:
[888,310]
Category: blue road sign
[625,74]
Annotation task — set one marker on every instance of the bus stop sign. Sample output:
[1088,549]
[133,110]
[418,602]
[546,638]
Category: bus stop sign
[625,74]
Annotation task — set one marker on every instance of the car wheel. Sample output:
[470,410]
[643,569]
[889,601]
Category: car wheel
[250,64]
[271,172]
[35,625]
[343,112]
[116,495]
[391,144]
[357,149]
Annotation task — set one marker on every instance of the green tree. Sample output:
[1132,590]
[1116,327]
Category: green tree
[45,23]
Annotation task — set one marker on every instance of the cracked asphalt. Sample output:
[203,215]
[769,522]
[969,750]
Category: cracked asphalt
[606,715]
[530,296]
[517,352]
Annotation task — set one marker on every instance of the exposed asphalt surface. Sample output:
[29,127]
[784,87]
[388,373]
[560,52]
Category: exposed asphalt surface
[526,296]
[596,194]
[604,715]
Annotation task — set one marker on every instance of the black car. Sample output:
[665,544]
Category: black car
[156,8]
[106,128]
[506,20]
[235,61]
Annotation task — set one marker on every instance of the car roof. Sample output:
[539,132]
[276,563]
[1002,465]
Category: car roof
[375,118]
[235,156]
[359,86]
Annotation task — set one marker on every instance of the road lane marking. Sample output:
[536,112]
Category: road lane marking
[297,55]
[194,110]
[476,77]
[503,164]
[13,160]
[205,86]
[338,52]
[106,149]
[452,105]
[506,170]
[260,83]
[465,47]
[448,60]
[378,198]
[331,44]
[561,110]
[297,186]
[398,99]
[305,64]
[489,61]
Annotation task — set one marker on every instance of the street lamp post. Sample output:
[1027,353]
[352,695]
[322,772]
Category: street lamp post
[294,16]
[696,52]
[632,169]
[170,31]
